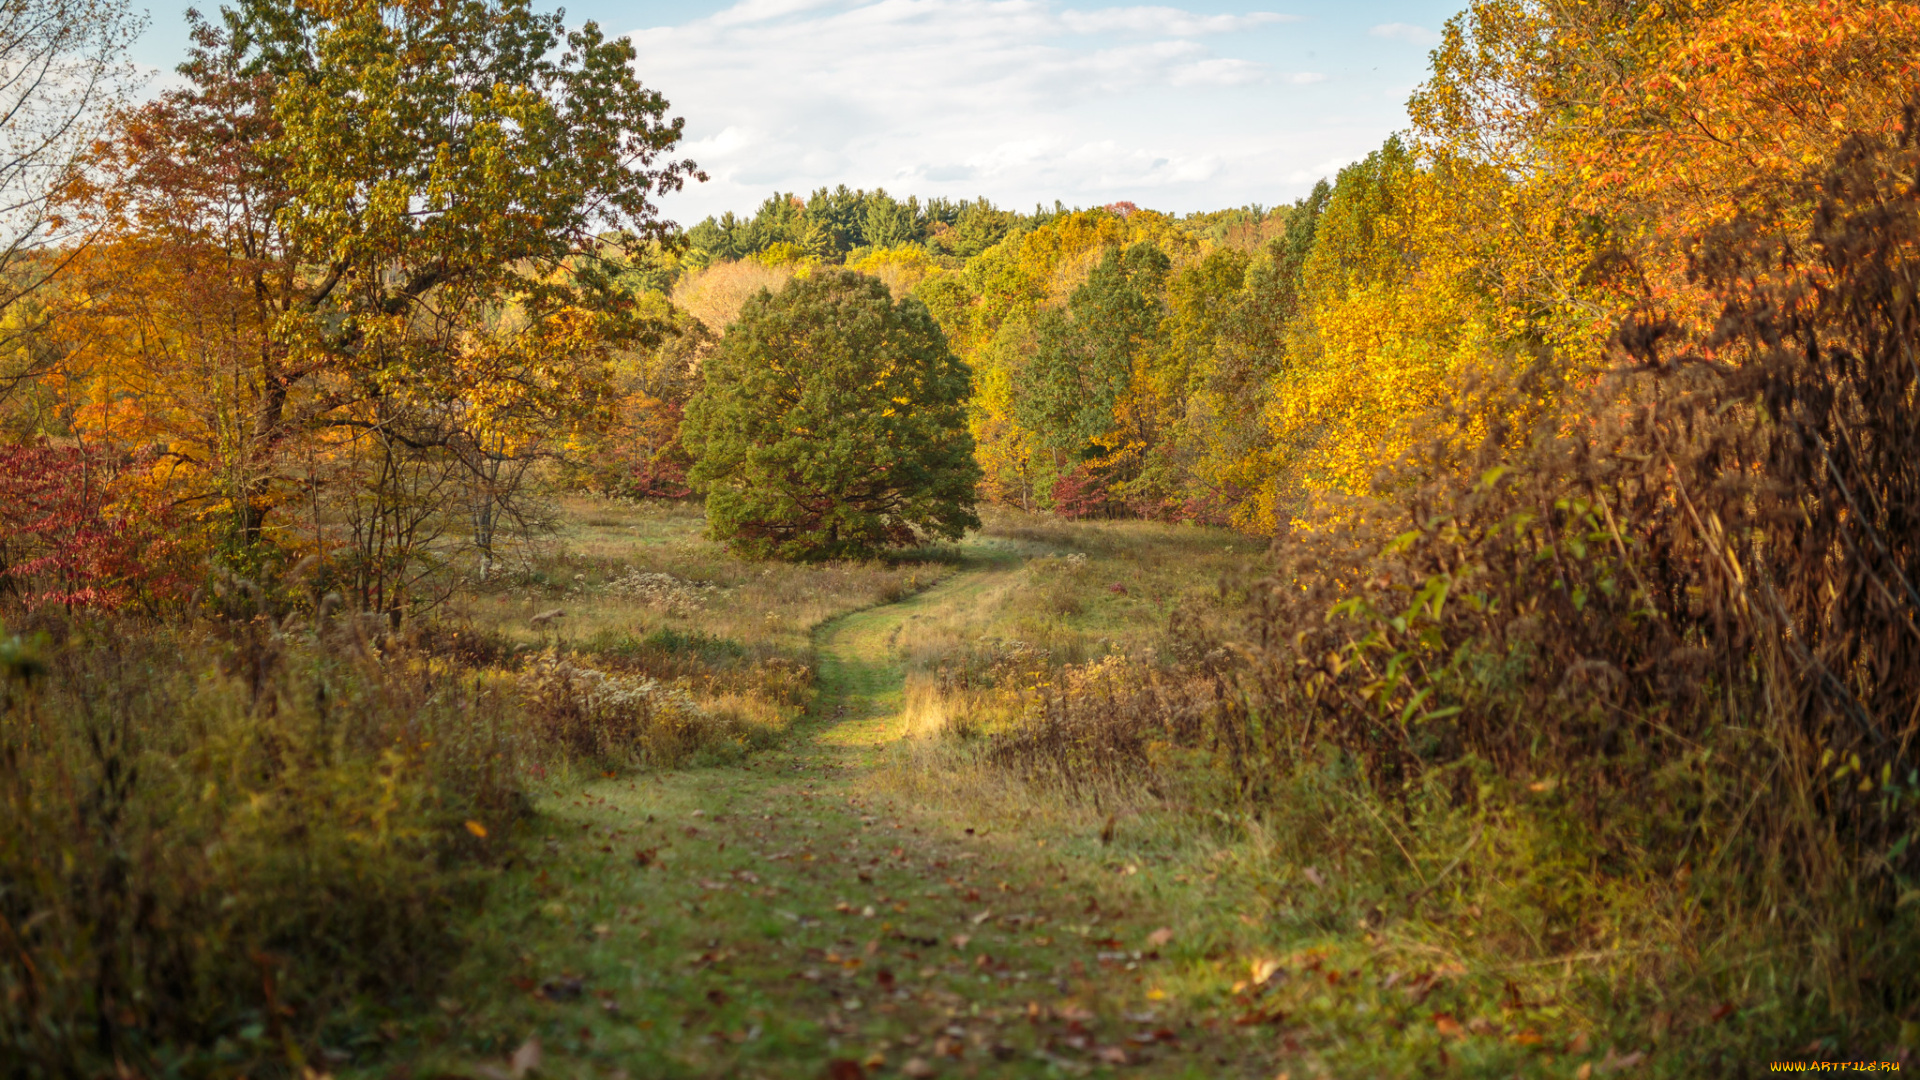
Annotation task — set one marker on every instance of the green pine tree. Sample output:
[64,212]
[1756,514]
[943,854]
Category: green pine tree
[832,424]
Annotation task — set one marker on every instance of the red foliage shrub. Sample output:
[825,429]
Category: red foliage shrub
[74,534]
[1081,494]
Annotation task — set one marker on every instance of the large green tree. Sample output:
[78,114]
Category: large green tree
[832,424]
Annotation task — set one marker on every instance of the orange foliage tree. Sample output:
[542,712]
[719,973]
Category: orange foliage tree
[361,279]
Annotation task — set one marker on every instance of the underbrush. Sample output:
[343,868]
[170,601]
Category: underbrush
[236,849]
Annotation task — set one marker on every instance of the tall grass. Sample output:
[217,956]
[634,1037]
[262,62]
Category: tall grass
[234,849]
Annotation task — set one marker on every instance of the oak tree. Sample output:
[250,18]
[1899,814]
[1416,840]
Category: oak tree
[832,424]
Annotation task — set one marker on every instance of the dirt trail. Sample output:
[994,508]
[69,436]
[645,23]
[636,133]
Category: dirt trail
[787,918]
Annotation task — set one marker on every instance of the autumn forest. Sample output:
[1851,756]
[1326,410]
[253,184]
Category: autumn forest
[455,621]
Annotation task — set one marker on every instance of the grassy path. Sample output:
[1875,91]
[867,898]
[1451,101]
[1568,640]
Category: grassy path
[787,918]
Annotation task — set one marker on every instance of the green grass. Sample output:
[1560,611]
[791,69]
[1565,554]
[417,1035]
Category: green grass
[774,895]
[737,921]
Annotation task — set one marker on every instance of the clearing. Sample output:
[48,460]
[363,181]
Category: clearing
[852,904]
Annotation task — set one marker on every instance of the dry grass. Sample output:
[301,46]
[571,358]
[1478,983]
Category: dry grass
[1096,614]
[669,648]
[1088,590]
[603,547]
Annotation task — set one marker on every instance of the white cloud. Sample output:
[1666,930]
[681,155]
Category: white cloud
[1218,72]
[1399,31]
[1020,100]
[1163,20]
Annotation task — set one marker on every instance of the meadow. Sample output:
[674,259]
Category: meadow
[458,622]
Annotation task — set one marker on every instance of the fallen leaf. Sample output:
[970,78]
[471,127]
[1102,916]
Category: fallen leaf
[1448,1026]
[645,856]
[526,1059]
[1722,1011]
[978,918]
[1621,1064]
[1159,937]
[1263,970]
[960,941]
[916,1069]
[477,829]
[1112,1055]
[1314,876]
[845,1069]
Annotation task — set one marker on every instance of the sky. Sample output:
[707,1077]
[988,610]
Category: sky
[1177,108]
